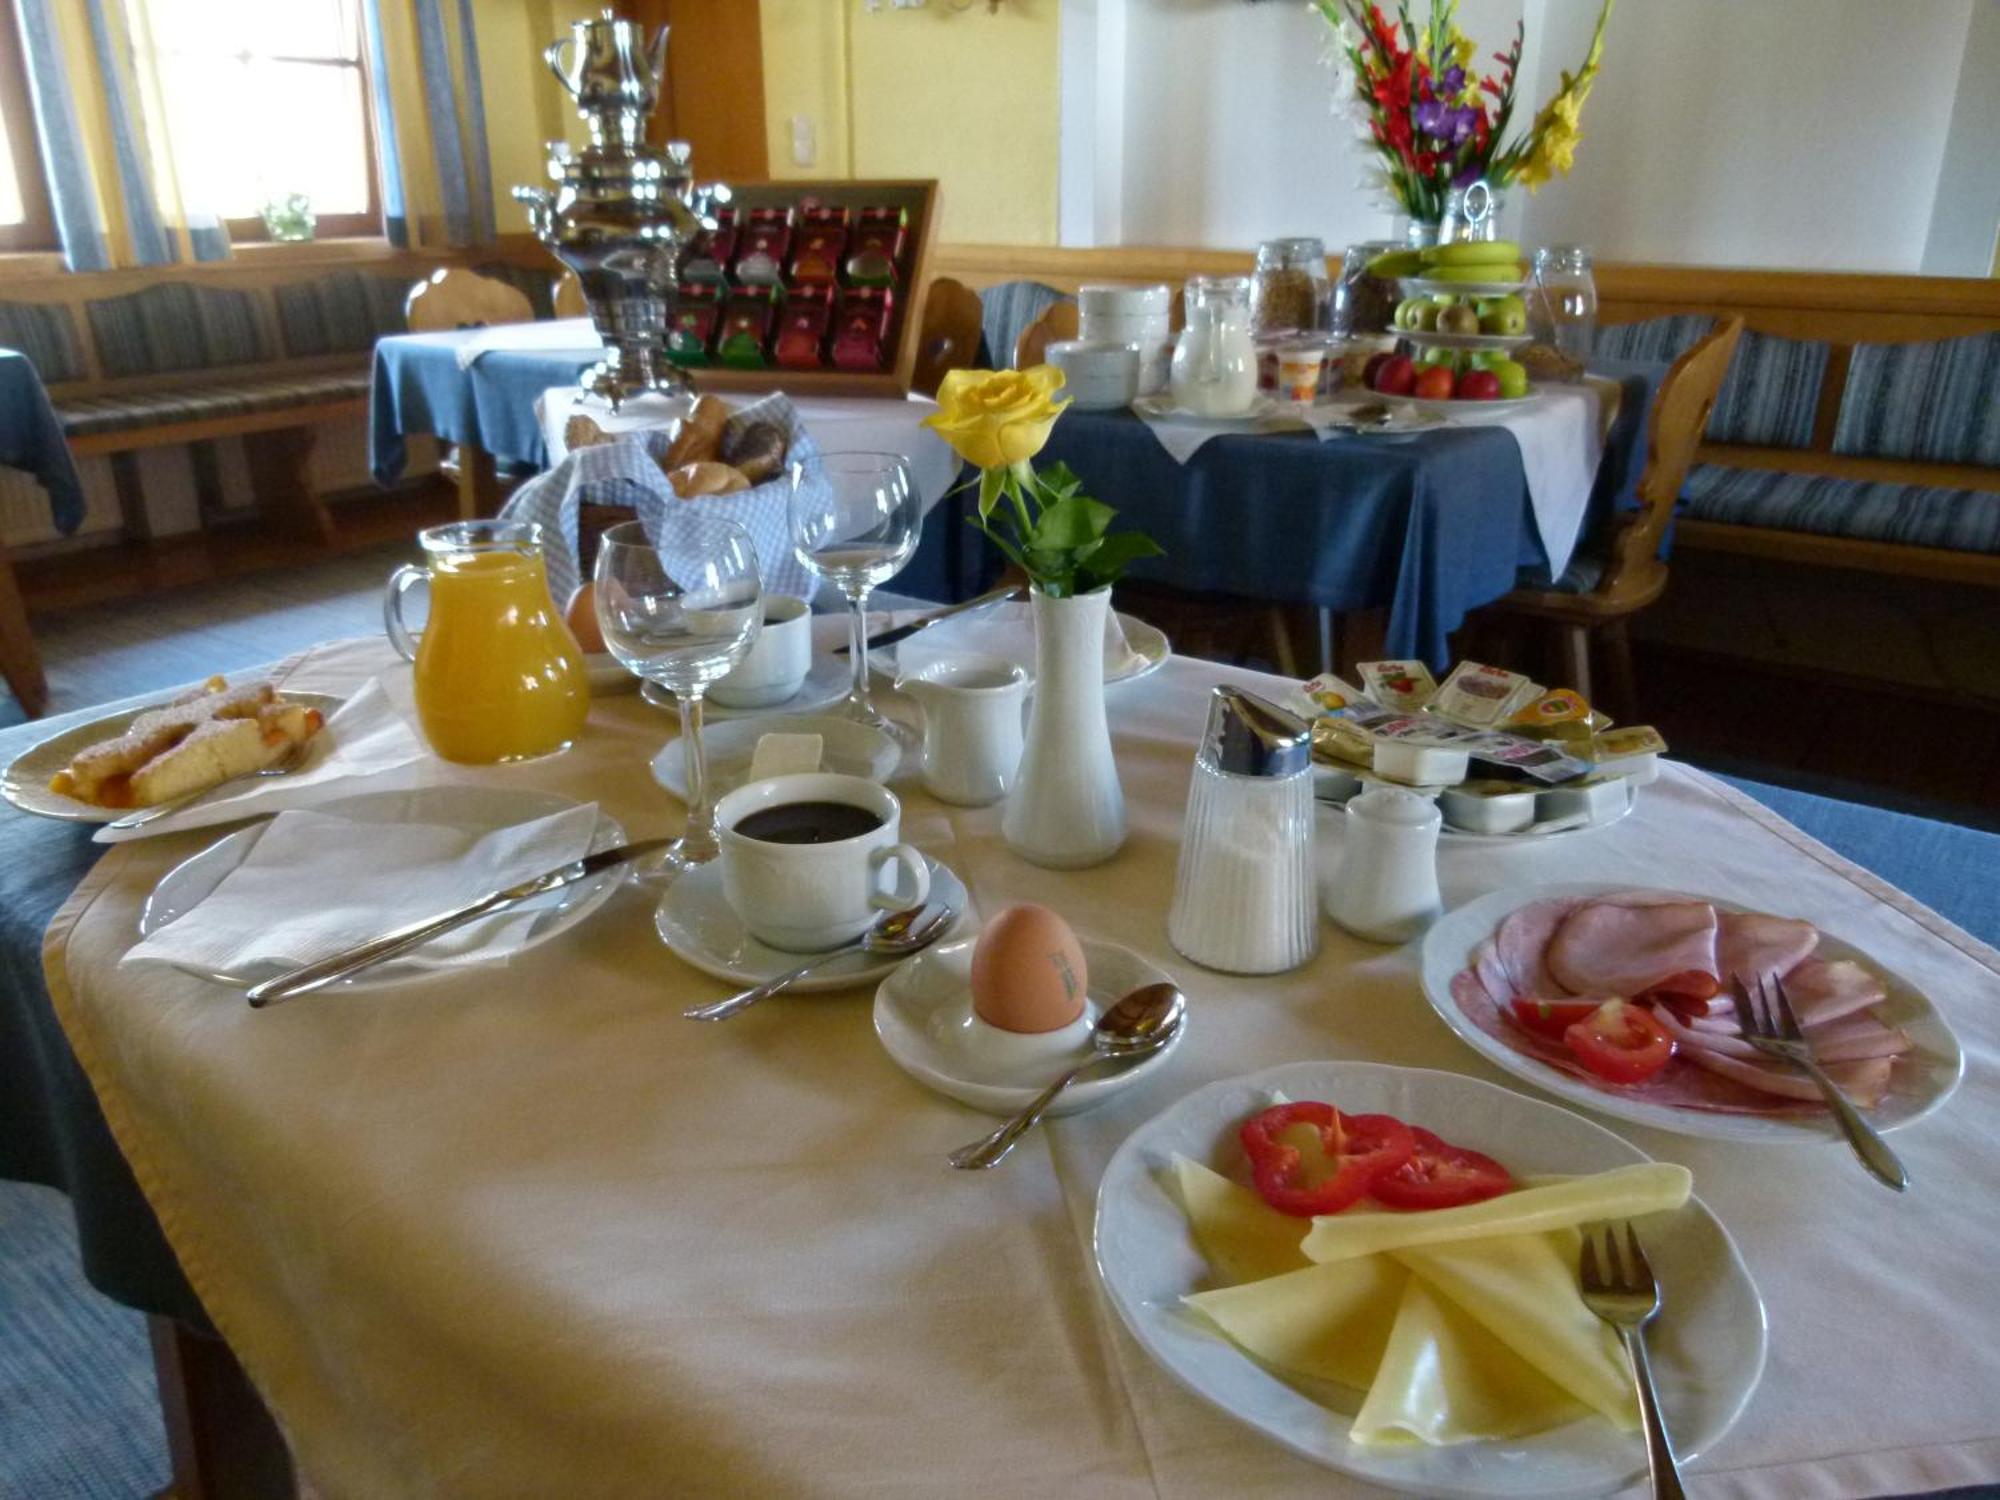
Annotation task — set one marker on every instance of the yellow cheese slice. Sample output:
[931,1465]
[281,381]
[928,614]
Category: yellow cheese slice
[1522,1289]
[1444,1378]
[1242,1236]
[1624,1193]
[1331,1322]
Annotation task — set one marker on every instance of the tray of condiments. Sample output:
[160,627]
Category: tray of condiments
[1505,757]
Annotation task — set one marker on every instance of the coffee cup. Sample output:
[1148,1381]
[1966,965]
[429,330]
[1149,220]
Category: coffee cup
[778,662]
[808,861]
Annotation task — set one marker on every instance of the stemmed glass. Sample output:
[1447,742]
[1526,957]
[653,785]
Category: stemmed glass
[681,613]
[855,520]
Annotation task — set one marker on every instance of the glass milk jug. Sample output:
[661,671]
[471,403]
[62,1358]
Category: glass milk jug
[499,677]
[1215,362]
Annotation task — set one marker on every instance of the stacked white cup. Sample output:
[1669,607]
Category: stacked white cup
[1141,315]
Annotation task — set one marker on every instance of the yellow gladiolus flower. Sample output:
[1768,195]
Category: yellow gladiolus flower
[995,419]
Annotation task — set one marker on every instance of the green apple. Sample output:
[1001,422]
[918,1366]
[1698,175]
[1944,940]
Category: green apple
[1434,356]
[1485,359]
[1507,315]
[1458,318]
[1513,377]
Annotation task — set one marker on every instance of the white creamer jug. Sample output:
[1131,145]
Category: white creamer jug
[1384,885]
[972,726]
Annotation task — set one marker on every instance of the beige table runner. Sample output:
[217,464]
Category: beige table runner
[527,1232]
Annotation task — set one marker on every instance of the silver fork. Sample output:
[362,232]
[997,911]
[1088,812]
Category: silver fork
[1624,1294]
[1764,1012]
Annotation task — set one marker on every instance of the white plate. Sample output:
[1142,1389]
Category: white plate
[1462,835]
[1483,341]
[1405,417]
[851,748]
[499,936]
[827,682]
[696,922]
[1923,1080]
[607,675]
[1707,1345]
[25,783]
[1150,647]
[921,1012]
[1423,286]
[1161,408]
[1446,408]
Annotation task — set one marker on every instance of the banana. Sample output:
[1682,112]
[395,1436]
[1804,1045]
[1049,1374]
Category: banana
[1485,271]
[1392,264]
[1475,253]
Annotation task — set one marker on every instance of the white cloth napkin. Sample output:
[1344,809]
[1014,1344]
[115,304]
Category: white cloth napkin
[560,333]
[1561,433]
[1183,436]
[371,732]
[1003,630]
[315,884]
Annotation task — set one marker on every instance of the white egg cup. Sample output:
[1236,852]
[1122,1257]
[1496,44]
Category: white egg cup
[992,1054]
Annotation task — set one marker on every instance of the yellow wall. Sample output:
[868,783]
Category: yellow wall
[525,107]
[964,96]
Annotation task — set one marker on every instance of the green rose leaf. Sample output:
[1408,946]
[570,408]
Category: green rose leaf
[1071,523]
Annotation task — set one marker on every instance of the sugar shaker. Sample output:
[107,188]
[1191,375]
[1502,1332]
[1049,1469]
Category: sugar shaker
[1243,897]
[1384,885]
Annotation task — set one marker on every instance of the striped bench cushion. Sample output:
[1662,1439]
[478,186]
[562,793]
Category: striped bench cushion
[343,313]
[171,326]
[1661,340]
[1912,515]
[1006,311]
[132,409]
[1768,397]
[1937,401]
[45,332]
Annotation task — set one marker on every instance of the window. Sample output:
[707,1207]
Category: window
[265,98]
[25,223]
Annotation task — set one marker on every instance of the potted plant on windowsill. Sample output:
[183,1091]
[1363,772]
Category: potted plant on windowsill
[1065,809]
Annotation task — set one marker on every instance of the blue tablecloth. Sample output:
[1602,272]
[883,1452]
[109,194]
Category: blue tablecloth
[419,388]
[31,438]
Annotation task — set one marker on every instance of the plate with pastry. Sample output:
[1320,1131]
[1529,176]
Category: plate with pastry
[100,771]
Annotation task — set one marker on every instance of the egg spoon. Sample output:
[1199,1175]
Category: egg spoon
[894,934]
[1142,1022]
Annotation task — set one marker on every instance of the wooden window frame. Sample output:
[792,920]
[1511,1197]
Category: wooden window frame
[37,229]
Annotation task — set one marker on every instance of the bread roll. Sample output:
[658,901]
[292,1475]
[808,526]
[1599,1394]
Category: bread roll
[691,481]
[697,436]
[759,451]
[581,432]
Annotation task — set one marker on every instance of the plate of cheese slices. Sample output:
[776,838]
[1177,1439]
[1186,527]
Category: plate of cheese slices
[134,759]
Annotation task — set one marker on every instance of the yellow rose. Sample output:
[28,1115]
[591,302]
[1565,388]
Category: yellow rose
[995,419]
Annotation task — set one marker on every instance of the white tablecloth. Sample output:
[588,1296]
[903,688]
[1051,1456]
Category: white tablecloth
[527,1232]
[557,334]
[839,424]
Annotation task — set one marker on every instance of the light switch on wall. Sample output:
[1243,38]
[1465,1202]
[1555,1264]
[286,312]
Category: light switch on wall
[804,153]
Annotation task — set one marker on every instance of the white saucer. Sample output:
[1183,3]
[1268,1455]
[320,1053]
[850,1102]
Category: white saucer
[827,682]
[921,1012]
[490,939]
[1012,637]
[851,748]
[696,922]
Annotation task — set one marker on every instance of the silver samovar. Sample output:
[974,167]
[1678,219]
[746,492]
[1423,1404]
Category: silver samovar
[623,215]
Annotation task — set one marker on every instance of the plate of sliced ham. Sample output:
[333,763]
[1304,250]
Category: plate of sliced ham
[1526,977]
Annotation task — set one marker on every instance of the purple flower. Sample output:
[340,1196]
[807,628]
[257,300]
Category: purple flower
[1456,125]
[1453,82]
[1430,115]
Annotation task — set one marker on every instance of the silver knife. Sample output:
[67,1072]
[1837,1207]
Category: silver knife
[904,632]
[317,975]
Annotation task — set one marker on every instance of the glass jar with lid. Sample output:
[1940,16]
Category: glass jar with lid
[1288,288]
[1565,300]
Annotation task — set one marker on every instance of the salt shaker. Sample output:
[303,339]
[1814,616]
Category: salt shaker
[1243,897]
[1384,886]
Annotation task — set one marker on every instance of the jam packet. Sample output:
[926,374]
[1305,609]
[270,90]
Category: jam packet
[1405,686]
[1483,697]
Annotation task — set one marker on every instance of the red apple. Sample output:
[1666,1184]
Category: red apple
[1434,384]
[1373,367]
[1396,376]
[1478,385]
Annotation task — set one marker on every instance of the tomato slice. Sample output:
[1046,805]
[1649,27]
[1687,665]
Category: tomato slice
[1620,1042]
[1441,1175]
[1550,1018]
[1308,1158]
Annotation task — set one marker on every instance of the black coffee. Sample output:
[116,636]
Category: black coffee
[808,823]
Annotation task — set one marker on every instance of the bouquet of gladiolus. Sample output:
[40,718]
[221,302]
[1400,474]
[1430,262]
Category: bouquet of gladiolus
[997,421]
[1433,121]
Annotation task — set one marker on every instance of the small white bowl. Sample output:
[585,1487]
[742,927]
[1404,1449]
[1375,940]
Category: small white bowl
[1420,765]
[1105,300]
[1600,799]
[1097,376]
[1488,812]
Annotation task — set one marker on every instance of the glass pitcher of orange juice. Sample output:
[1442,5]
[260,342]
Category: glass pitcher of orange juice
[499,676]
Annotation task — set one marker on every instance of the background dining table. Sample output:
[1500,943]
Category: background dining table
[527,1231]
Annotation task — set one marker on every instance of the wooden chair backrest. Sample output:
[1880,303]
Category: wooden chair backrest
[454,297]
[569,299]
[1679,417]
[1057,323]
[949,339]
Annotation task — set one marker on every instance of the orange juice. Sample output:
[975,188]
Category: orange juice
[499,676]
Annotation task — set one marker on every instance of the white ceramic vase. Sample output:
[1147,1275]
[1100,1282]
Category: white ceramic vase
[1066,810]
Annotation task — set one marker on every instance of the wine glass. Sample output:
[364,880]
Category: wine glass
[681,610]
[855,520]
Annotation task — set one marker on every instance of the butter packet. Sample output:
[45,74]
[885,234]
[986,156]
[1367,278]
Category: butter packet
[1483,697]
[1633,751]
[1558,714]
[1405,686]
[1336,742]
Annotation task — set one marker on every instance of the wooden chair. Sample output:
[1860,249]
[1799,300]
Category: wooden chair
[569,298]
[949,338]
[1632,574]
[457,298]
[1059,322]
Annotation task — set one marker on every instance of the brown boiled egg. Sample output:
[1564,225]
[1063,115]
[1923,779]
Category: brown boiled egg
[581,617]
[1027,971]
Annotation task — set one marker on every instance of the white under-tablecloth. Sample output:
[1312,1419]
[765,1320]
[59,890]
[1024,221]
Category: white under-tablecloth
[544,334]
[839,424]
[526,1232]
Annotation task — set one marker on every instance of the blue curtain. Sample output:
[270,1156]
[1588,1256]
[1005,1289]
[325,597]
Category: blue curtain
[66,165]
[453,119]
[388,152]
